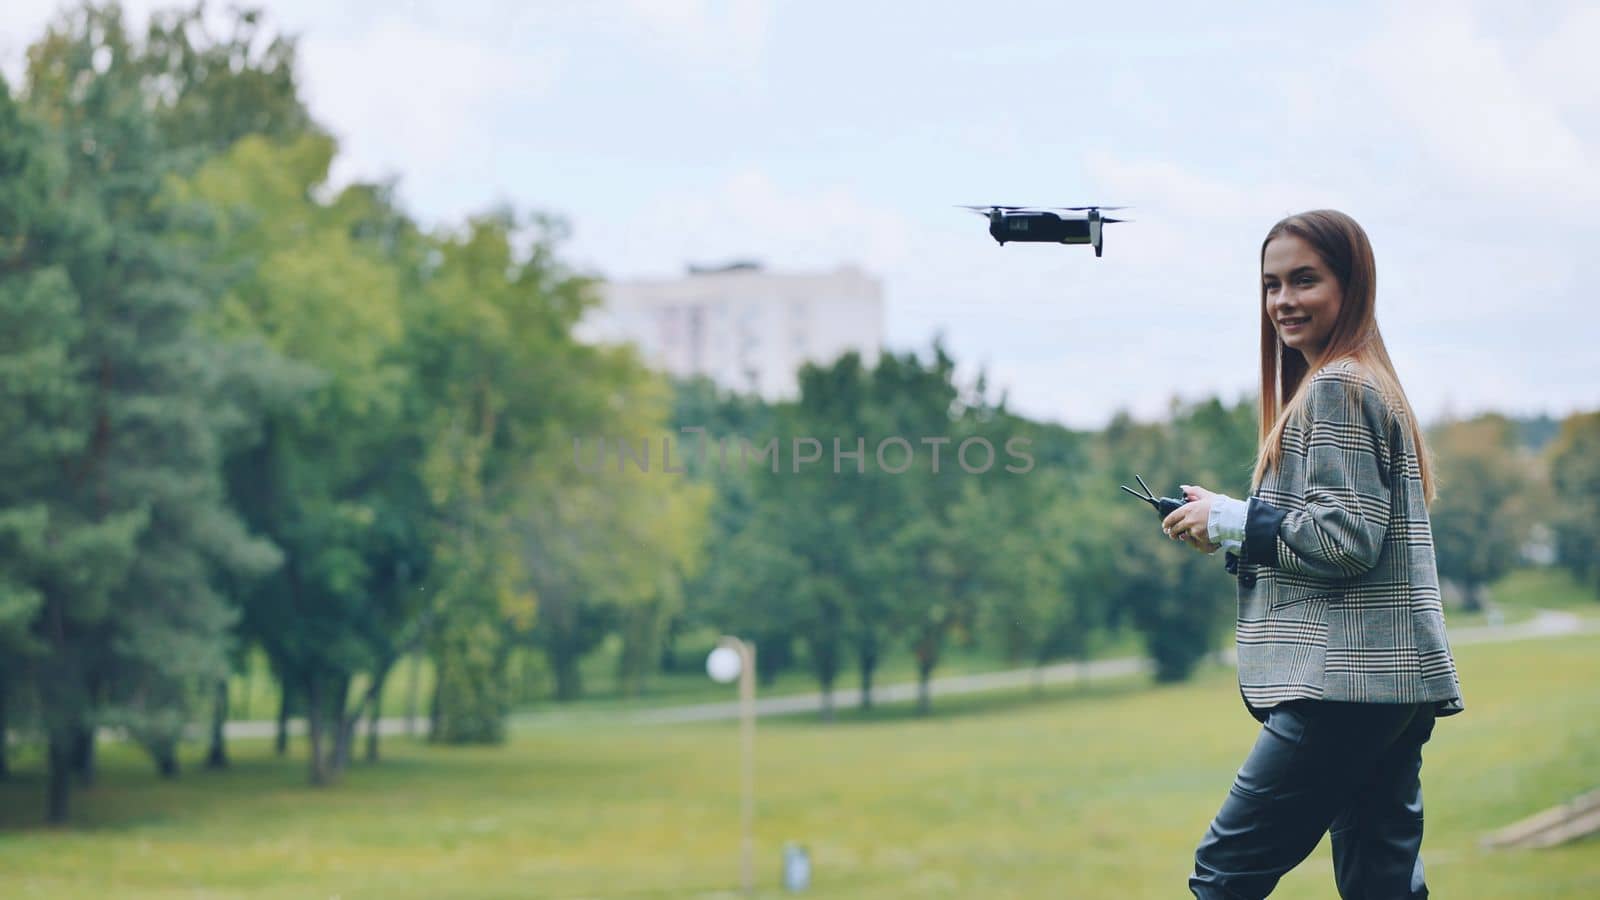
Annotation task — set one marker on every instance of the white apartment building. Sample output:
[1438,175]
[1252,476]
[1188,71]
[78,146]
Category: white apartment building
[746,328]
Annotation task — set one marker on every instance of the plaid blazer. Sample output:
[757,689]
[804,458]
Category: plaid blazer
[1338,588]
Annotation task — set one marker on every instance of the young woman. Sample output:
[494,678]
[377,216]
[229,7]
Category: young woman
[1342,650]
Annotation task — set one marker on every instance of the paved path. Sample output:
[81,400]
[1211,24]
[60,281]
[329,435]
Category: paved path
[265,728]
[1545,623]
[890,693]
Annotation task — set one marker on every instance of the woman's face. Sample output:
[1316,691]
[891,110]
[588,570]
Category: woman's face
[1303,297]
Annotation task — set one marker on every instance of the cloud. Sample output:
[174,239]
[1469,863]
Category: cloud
[405,98]
[19,25]
[1484,120]
[1563,65]
[1071,336]
[1461,138]
[23,22]
[1172,189]
[729,34]
[744,214]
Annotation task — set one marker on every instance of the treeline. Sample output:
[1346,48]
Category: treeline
[924,514]
[854,537]
[865,526]
[243,412]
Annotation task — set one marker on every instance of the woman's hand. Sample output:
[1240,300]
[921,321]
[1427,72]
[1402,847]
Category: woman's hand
[1187,523]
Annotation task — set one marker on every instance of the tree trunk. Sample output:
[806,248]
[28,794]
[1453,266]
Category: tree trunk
[825,665]
[344,725]
[641,626]
[370,707]
[669,645]
[314,721]
[413,686]
[217,758]
[83,754]
[167,760]
[774,652]
[281,744]
[249,684]
[435,709]
[374,713]
[564,663]
[5,748]
[867,659]
[60,789]
[343,739]
[373,707]
[927,653]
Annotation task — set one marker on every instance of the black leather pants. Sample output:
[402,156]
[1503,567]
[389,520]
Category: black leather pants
[1350,769]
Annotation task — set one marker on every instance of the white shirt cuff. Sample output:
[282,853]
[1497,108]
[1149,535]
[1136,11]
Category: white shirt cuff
[1225,524]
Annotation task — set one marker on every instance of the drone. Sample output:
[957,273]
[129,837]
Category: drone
[1037,224]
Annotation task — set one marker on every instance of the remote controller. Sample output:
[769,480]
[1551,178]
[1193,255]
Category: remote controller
[1163,505]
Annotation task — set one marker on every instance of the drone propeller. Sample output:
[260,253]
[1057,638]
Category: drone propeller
[990,207]
[1082,208]
[1108,219]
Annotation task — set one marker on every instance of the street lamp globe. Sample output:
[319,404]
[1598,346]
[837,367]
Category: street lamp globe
[723,664]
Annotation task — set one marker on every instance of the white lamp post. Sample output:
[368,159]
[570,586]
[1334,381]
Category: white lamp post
[732,659]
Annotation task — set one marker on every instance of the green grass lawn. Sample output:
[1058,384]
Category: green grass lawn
[1078,793]
[1543,588]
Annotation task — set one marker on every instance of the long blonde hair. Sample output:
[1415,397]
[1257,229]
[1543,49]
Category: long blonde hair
[1345,250]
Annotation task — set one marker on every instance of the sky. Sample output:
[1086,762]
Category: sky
[1464,137]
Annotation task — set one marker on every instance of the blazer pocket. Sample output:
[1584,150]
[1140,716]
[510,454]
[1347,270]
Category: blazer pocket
[1289,593]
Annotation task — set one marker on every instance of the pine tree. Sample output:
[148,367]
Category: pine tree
[132,529]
